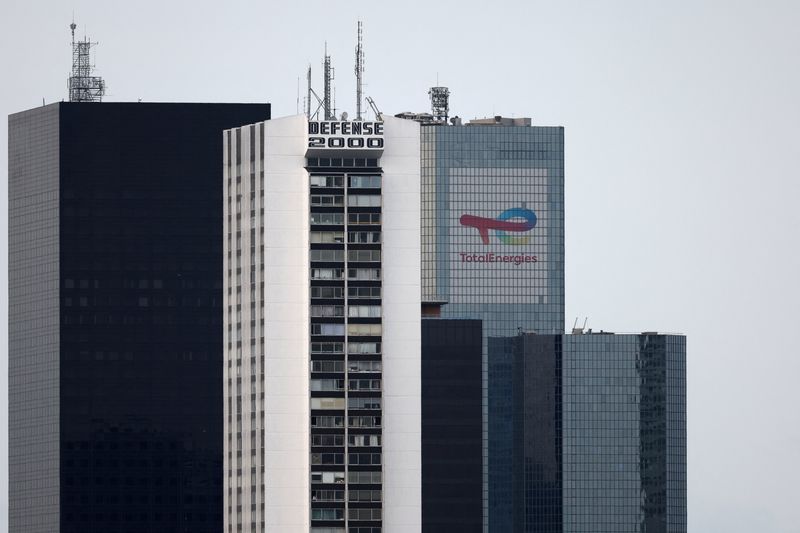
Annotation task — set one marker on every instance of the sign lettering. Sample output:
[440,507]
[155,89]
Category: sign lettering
[339,135]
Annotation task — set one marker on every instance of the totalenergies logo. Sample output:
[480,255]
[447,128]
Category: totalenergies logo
[514,220]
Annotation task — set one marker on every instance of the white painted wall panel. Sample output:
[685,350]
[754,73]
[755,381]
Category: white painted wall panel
[401,329]
[286,326]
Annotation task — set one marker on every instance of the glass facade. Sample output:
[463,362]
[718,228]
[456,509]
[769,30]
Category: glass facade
[608,412]
[34,317]
[452,481]
[345,356]
[624,433]
[120,205]
[493,249]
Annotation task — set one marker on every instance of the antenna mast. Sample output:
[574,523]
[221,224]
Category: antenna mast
[315,114]
[378,115]
[326,90]
[308,98]
[359,71]
[440,103]
[83,87]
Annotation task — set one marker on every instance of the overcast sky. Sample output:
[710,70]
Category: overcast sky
[682,186]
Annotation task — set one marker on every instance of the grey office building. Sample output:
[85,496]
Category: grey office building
[599,440]
[115,316]
[493,250]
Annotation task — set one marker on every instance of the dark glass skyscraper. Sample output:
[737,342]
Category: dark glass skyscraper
[624,441]
[599,440]
[452,484]
[115,348]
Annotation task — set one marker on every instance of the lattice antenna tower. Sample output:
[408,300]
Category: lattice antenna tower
[359,71]
[326,90]
[440,103]
[83,87]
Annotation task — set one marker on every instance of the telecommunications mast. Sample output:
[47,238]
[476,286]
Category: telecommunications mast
[83,87]
[359,71]
[326,89]
[440,103]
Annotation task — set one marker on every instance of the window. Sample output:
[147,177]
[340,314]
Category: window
[342,162]
[328,310]
[364,237]
[327,273]
[326,237]
[363,273]
[364,441]
[364,218]
[363,255]
[364,311]
[327,403]
[363,384]
[327,477]
[327,329]
[327,255]
[327,366]
[364,330]
[364,478]
[364,514]
[327,385]
[363,292]
[364,347]
[327,292]
[327,347]
[365,182]
[327,200]
[327,514]
[363,200]
[327,181]
[327,496]
[327,440]
[327,421]
[364,366]
[364,421]
[327,218]
[363,458]
[328,458]
[368,404]
[364,496]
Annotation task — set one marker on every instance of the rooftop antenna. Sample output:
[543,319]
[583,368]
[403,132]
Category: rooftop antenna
[311,92]
[83,87]
[440,102]
[297,104]
[326,90]
[579,331]
[371,102]
[308,97]
[359,71]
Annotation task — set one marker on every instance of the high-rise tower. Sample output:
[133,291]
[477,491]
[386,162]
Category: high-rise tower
[115,306]
[322,335]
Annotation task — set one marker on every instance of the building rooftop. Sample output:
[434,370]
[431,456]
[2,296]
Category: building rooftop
[429,120]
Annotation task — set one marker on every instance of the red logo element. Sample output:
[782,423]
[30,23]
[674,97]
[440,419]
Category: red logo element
[502,223]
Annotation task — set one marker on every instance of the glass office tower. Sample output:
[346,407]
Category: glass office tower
[601,440]
[493,249]
[452,481]
[624,440]
[115,316]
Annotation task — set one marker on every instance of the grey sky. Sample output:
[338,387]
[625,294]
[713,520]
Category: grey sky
[682,121]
